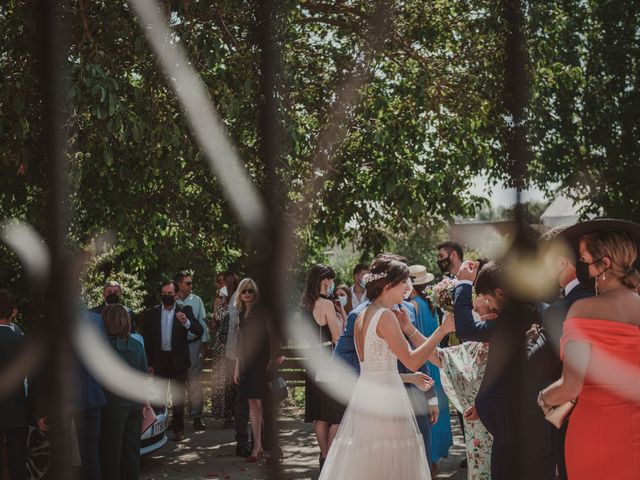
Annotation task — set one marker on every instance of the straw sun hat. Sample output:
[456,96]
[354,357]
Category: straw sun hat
[419,275]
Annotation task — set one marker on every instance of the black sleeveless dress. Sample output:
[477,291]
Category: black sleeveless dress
[254,353]
[318,405]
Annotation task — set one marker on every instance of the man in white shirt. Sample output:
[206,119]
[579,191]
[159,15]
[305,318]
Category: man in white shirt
[165,341]
[450,257]
[357,289]
[197,345]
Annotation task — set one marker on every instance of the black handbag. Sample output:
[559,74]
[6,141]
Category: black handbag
[278,389]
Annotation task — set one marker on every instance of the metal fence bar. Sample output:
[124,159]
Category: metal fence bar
[271,272]
[56,320]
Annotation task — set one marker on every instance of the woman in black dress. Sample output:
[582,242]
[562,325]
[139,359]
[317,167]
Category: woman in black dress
[253,365]
[327,319]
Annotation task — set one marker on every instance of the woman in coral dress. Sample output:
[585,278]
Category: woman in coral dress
[600,348]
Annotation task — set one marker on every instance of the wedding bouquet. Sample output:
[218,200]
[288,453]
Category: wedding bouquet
[443,294]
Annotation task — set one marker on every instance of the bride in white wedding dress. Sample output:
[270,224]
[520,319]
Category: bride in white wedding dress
[378,437]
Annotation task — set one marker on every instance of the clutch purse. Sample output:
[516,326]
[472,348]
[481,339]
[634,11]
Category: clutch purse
[558,415]
[278,389]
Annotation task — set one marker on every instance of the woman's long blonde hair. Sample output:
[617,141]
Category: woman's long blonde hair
[244,283]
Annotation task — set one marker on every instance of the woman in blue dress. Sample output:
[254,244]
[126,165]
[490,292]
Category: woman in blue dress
[427,323]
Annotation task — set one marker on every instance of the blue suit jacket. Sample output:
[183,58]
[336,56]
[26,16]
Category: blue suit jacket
[345,349]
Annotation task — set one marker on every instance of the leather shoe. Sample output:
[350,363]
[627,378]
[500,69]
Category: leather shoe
[198,424]
[243,450]
[178,436]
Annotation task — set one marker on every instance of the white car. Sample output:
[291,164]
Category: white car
[154,437]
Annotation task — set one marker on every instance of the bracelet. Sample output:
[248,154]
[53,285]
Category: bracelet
[415,330]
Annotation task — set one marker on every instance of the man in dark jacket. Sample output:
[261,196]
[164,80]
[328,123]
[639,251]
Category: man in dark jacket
[167,347]
[499,399]
[545,449]
[13,403]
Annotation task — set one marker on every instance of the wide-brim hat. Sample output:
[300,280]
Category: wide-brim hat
[419,275]
[573,233]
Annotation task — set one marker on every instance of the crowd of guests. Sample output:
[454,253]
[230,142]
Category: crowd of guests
[543,390]
[175,335]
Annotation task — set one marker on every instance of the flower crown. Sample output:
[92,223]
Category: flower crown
[372,277]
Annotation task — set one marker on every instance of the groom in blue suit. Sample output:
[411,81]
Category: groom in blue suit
[499,399]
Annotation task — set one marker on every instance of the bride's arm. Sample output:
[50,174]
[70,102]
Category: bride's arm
[435,358]
[389,329]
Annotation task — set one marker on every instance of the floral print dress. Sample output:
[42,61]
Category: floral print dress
[462,370]
[223,389]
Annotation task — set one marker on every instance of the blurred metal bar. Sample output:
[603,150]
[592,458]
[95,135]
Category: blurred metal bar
[56,386]
[516,95]
[270,259]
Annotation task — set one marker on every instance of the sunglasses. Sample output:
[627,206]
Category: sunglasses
[248,290]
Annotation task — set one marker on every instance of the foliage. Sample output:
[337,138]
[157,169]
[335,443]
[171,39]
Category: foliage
[533,210]
[98,271]
[586,94]
[425,116]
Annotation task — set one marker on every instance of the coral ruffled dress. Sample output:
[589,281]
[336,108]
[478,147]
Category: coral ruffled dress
[603,437]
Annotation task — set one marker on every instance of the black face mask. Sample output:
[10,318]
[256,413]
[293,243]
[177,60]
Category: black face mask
[112,298]
[582,272]
[168,300]
[444,264]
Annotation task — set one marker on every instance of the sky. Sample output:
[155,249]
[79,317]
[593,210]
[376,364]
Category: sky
[504,197]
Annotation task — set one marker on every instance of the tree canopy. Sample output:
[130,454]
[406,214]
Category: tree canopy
[387,110]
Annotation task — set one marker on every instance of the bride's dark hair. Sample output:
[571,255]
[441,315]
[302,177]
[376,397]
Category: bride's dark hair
[390,272]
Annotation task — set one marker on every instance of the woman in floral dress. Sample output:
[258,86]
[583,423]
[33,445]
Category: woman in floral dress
[223,390]
[462,368]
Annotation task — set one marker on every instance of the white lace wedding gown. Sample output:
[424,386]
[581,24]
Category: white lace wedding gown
[378,438]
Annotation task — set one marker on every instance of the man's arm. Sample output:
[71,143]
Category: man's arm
[467,328]
[194,325]
[202,318]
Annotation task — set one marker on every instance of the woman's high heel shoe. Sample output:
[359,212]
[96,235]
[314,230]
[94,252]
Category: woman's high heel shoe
[254,458]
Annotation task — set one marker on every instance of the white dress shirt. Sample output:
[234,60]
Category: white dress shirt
[354,299]
[166,326]
[570,286]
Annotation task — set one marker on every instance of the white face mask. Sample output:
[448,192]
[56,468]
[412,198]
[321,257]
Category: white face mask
[223,292]
[343,300]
